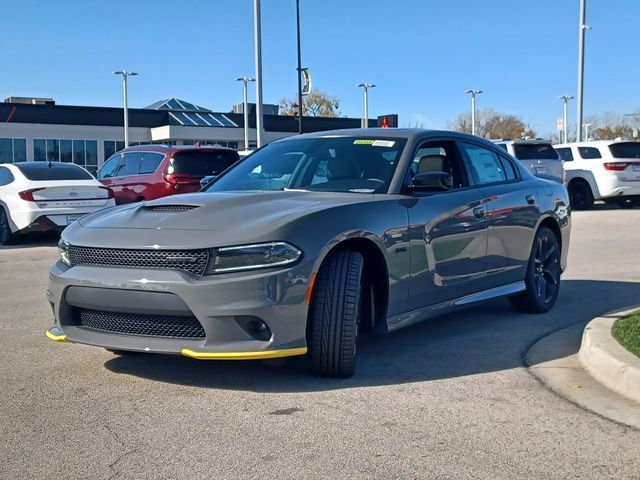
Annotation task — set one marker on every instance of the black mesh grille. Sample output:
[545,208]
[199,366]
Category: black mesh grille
[170,208]
[144,325]
[192,261]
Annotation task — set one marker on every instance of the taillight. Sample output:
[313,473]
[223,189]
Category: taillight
[28,194]
[615,166]
[176,178]
[109,192]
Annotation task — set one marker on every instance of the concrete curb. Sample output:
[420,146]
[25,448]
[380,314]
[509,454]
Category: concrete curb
[606,360]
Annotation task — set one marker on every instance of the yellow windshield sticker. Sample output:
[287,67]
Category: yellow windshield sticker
[363,142]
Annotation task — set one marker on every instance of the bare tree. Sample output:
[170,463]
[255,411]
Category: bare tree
[492,124]
[316,104]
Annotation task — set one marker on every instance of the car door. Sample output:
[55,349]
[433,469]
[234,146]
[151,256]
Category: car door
[447,229]
[127,183]
[512,212]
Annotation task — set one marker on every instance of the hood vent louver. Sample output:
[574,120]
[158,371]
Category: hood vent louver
[170,208]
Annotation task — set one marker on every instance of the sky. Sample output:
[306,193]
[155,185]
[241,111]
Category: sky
[421,54]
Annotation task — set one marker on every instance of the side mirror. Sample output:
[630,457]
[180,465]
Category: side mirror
[431,181]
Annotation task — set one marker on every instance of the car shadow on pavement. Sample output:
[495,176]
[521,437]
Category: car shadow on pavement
[36,239]
[486,338]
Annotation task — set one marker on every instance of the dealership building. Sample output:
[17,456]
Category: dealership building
[33,129]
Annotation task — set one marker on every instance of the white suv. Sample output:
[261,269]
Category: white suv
[606,170]
[536,155]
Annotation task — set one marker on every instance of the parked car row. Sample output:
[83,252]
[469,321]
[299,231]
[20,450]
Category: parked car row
[43,196]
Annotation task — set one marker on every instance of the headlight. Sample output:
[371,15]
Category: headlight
[251,257]
[63,250]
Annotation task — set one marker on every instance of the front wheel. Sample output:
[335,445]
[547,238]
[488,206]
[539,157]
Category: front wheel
[335,315]
[7,237]
[543,275]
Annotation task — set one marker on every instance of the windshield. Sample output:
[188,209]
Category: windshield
[534,151]
[625,150]
[40,171]
[331,164]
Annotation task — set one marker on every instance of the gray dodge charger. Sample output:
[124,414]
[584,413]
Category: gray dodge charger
[308,243]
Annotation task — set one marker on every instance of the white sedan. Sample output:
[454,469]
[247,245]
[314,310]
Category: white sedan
[41,196]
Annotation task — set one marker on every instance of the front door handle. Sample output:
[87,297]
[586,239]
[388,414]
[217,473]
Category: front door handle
[478,212]
[530,199]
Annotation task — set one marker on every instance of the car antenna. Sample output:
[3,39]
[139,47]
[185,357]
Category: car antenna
[49,164]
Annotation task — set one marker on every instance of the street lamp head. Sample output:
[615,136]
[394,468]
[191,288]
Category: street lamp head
[473,91]
[366,85]
[245,79]
[565,97]
[124,73]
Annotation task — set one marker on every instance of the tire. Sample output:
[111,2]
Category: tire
[7,237]
[542,280]
[580,195]
[335,315]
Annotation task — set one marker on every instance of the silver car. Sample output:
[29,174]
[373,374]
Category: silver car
[308,243]
[538,156]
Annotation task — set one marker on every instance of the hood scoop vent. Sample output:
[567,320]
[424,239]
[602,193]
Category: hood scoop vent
[170,208]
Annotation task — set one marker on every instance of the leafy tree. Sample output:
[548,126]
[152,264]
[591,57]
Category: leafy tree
[316,104]
[492,124]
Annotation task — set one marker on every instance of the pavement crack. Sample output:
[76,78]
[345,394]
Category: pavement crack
[129,450]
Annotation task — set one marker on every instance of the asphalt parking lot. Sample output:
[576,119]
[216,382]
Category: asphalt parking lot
[445,399]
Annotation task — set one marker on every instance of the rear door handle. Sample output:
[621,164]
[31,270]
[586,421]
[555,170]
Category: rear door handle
[530,199]
[478,212]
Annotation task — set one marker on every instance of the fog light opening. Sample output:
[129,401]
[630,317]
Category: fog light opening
[255,327]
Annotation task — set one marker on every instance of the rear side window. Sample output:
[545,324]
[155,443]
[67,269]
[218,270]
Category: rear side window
[150,162]
[509,168]
[589,152]
[40,171]
[131,164]
[625,150]
[534,151]
[565,154]
[200,163]
[6,177]
[485,164]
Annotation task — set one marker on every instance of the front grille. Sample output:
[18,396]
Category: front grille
[170,208]
[144,325]
[192,261]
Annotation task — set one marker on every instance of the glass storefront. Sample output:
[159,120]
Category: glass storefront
[13,150]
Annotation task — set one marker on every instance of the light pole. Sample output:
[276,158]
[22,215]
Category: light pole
[473,93]
[586,130]
[258,51]
[125,74]
[299,68]
[581,29]
[366,87]
[245,108]
[565,127]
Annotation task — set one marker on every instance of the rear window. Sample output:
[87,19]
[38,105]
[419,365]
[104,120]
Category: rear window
[40,171]
[625,150]
[200,163]
[534,151]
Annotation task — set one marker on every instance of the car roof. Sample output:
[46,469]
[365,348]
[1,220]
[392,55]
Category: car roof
[175,148]
[594,143]
[408,133]
[523,141]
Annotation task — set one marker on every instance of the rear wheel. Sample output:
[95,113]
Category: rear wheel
[6,236]
[335,315]
[543,275]
[580,195]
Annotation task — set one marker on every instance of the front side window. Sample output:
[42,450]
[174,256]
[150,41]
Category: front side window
[589,152]
[439,156]
[108,168]
[484,164]
[357,164]
[565,154]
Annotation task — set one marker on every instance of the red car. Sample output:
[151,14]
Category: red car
[146,172]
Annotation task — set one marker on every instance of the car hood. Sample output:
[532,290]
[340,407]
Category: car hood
[216,211]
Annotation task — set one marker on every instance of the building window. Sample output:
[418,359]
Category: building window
[13,150]
[80,152]
[65,151]
[53,150]
[40,150]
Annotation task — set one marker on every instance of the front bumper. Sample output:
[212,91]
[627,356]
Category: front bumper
[226,306]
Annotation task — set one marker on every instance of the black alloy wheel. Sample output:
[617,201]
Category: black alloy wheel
[542,280]
[580,195]
[6,236]
[334,315]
